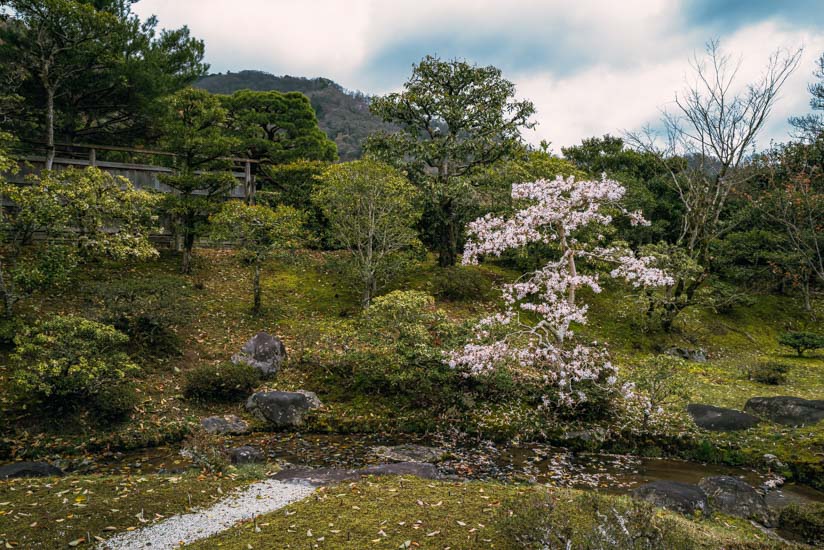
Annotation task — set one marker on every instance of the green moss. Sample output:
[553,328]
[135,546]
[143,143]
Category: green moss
[51,512]
[413,513]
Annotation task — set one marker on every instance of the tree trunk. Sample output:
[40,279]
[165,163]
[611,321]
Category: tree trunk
[256,289]
[188,246]
[49,128]
[448,239]
[369,290]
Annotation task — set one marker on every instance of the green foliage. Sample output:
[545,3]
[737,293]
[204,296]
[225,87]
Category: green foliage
[193,127]
[457,119]
[772,373]
[371,211]
[68,359]
[801,341]
[205,453]
[115,403]
[60,50]
[662,381]
[109,216]
[147,310]
[292,184]
[459,283]
[277,128]
[76,215]
[257,232]
[803,522]
[222,382]
[663,304]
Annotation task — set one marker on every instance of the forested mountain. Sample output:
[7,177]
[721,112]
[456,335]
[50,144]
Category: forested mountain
[342,114]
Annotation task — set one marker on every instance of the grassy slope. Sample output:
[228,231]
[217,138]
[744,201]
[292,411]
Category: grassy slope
[303,300]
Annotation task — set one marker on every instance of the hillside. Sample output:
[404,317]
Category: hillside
[342,114]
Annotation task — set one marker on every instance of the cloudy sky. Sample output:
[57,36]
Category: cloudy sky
[590,66]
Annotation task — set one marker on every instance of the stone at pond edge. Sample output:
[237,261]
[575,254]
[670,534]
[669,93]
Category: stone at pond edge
[410,452]
[720,419]
[695,355]
[264,352]
[29,469]
[282,409]
[673,495]
[735,497]
[786,410]
[246,455]
[226,424]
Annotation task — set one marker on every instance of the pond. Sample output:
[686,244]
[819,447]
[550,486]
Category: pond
[531,463]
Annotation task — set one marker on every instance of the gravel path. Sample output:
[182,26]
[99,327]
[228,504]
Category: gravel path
[258,498]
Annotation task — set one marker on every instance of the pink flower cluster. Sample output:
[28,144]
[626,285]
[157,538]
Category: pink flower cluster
[555,211]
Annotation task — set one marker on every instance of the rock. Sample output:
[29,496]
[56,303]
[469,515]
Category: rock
[720,419]
[282,409]
[29,469]
[673,495]
[410,453]
[418,469]
[264,352]
[246,455]
[735,497]
[789,411]
[227,424]
[695,355]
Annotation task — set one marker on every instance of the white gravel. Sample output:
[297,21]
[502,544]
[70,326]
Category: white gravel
[258,498]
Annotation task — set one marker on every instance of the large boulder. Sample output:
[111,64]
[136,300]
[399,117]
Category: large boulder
[789,411]
[720,419]
[226,424]
[282,409]
[676,496]
[264,352]
[735,497]
[695,355]
[29,469]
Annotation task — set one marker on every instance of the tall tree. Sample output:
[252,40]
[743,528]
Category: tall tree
[371,211]
[457,119]
[91,69]
[193,127]
[812,126]
[713,130]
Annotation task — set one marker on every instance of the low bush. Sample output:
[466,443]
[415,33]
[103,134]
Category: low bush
[115,403]
[147,310]
[205,453]
[69,360]
[769,372]
[461,283]
[222,382]
[804,523]
[801,341]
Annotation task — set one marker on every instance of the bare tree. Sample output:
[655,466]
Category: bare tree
[705,146]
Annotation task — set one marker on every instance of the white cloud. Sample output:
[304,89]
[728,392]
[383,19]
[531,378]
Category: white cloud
[597,67]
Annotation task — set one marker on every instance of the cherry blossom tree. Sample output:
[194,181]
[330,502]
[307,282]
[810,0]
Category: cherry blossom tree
[534,332]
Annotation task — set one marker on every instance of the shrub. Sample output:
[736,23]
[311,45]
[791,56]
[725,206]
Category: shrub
[770,372]
[660,381]
[69,359]
[147,310]
[801,341]
[204,453]
[115,403]
[223,382]
[805,523]
[460,283]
